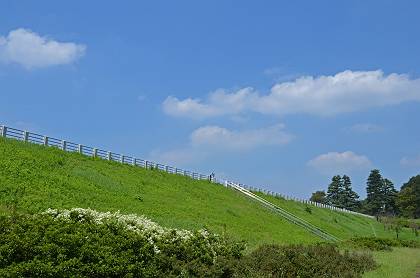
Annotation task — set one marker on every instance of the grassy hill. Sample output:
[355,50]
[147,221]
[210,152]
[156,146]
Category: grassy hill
[342,225]
[34,178]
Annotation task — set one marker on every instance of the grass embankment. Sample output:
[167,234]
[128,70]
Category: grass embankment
[34,178]
[342,225]
[52,178]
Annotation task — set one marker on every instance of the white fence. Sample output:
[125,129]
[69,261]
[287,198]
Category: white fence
[307,202]
[9,132]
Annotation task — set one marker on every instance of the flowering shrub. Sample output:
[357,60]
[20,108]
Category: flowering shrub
[141,225]
[87,243]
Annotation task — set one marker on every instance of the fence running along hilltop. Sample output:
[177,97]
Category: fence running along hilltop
[9,132]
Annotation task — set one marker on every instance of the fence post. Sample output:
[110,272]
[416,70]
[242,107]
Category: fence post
[80,148]
[167,169]
[3,131]
[109,156]
[25,136]
[95,152]
[45,140]
[122,158]
[134,161]
[64,145]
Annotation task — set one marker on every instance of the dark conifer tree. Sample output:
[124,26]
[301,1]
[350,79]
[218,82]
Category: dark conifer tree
[374,199]
[334,193]
[349,197]
[389,197]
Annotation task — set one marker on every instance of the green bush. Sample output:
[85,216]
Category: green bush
[381,244]
[87,243]
[84,243]
[303,261]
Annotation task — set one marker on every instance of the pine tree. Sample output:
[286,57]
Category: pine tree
[334,193]
[349,197]
[389,197]
[374,188]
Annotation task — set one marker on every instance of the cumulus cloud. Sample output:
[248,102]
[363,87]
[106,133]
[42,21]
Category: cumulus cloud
[209,140]
[410,161]
[363,128]
[346,91]
[335,162]
[30,50]
[219,103]
[222,138]
[178,157]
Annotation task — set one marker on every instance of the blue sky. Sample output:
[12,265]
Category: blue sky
[276,94]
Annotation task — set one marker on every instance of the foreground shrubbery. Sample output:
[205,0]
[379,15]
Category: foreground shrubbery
[86,243]
[91,244]
[322,260]
[381,244]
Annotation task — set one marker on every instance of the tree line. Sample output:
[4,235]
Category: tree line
[381,199]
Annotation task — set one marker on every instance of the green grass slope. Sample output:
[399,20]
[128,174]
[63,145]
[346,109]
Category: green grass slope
[342,225]
[35,178]
[52,178]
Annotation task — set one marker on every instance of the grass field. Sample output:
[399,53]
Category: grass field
[34,178]
[401,263]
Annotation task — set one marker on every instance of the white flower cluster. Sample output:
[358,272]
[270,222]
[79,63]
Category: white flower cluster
[139,224]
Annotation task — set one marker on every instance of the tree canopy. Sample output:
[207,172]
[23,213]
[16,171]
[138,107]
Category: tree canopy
[340,193]
[409,198]
[381,195]
[319,197]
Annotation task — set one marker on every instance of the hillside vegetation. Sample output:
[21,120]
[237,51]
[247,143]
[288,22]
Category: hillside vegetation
[342,225]
[34,178]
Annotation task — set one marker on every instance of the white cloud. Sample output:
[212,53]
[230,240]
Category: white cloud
[222,138]
[178,157]
[336,163]
[363,128]
[31,50]
[347,91]
[188,107]
[219,103]
[410,162]
[210,140]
